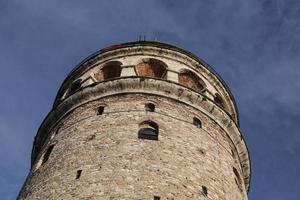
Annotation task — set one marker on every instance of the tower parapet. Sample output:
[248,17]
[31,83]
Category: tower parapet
[140,120]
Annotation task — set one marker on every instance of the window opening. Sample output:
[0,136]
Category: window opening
[75,86]
[197,122]
[219,101]
[47,154]
[156,198]
[150,107]
[150,67]
[100,110]
[108,71]
[78,174]
[204,190]
[148,130]
[191,80]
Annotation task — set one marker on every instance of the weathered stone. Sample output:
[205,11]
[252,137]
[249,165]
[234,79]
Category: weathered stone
[151,137]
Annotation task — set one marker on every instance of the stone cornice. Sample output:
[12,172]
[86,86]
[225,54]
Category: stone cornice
[152,49]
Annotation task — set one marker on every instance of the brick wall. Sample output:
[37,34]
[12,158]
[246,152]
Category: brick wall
[116,164]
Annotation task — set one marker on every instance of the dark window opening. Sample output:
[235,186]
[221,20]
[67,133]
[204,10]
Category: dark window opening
[197,122]
[204,190]
[111,71]
[150,107]
[47,154]
[100,110]
[78,174]
[219,101]
[156,198]
[148,134]
[148,130]
[76,85]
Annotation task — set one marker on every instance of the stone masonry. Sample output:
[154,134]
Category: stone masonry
[140,121]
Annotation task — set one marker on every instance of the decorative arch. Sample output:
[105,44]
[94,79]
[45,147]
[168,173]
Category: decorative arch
[219,100]
[191,80]
[151,67]
[75,86]
[148,130]
[109,70]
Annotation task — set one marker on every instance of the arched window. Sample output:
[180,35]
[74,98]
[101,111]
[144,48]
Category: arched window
[148,130]
[237,178]
[47,154]
[151,68]
[150,107]
[197,122]
[75,86]
[108,71]
[191,80]
[218,99]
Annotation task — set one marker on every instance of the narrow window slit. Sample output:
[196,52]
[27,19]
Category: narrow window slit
[204,190]
[219,101]
[100,110]
[78,174]
[47,154]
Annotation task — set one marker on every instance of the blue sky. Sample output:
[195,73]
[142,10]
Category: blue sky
[254,45]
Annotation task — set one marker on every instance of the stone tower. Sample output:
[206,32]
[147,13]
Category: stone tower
[140,121]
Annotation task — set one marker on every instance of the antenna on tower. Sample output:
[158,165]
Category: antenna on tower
[140,38]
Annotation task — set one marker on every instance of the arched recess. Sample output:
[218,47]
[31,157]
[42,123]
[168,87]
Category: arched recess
[191,80]
[148,130]
[151,67]
[219,100]
[109,70]
[47,154]
[74,87]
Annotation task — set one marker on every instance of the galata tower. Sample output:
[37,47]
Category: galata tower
[140,121]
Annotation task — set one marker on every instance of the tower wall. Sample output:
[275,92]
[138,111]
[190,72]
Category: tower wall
[89,145]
